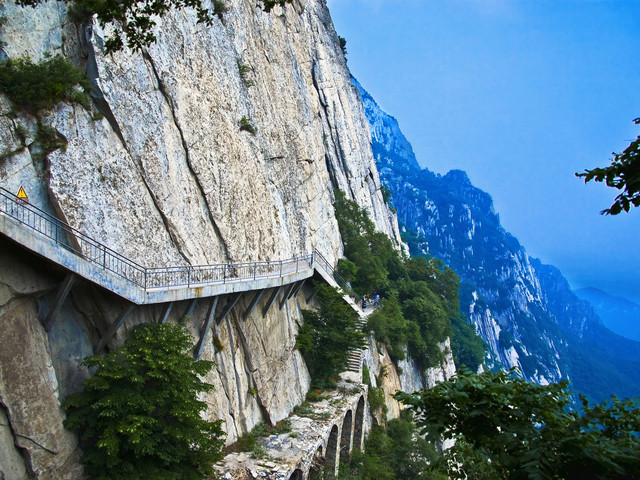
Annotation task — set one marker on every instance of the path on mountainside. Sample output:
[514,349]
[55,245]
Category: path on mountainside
[60,243]
[86,257]
[354,357]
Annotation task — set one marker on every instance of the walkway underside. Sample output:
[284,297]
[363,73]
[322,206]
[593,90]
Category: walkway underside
[254,288]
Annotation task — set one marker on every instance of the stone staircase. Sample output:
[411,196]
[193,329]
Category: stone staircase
[354,356]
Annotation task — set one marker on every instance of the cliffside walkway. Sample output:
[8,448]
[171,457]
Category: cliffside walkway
[83,256]
[76,252]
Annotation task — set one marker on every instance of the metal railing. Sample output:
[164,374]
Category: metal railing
[71,239]
[319,260]
[188,276]
[102,256]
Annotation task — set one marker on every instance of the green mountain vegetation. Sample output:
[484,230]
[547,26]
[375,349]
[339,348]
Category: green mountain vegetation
[507,428]
[498,426]
[420,305]
[327,335]
[542,325]
[392,452]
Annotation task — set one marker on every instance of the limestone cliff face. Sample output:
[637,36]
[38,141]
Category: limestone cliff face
[161,171]
[168,176]
[406,376]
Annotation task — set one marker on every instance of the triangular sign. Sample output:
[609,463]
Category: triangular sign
[22,194]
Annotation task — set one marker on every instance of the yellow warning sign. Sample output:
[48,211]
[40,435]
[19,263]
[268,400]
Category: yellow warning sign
[22,195]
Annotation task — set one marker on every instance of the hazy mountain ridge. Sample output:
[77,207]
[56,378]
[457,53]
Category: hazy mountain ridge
[617,313]
[525,310]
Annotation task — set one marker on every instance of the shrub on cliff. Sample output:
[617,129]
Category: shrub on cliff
[390,327]
[35,86]
[139,415]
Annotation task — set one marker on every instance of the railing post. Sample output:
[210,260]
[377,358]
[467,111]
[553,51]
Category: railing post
[297,263]
[189,276]
[224,274]
[280,268]
[104,256]
[255,269]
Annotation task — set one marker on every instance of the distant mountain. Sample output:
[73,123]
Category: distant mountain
[617,313]
[523,309]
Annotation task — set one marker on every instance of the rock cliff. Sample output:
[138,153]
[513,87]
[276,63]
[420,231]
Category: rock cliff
[169,156]
[164,169]
[524,310]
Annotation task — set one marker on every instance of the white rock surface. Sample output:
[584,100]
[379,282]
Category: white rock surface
[168,177]
[407,378]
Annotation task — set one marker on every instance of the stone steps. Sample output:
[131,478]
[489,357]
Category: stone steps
[354,357]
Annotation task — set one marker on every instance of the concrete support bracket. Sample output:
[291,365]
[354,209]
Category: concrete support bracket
[166,312]
[297,288]
[273,296]
[232,303]
[197,351]
[63,291]
[286,295]
[252,305]
[190,308]
[113,329]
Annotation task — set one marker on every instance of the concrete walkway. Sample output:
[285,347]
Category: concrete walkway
[85,257]
[76,252]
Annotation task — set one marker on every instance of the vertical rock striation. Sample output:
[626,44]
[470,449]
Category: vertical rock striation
[169,176]
[215,144]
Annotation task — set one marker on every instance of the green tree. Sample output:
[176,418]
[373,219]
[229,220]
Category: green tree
[467,346]
[134,19]
[426,311]
[392,452]
[623,174]
[367,249]
[346,269]
[389,327]
[139,415]
[327,335]
[343,45]
[506,428]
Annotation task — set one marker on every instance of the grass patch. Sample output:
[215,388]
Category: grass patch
[249,442]
[314,396]
[376,399]
[246,126]
[244,70]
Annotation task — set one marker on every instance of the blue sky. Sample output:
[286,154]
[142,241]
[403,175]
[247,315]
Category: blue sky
[520,94]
